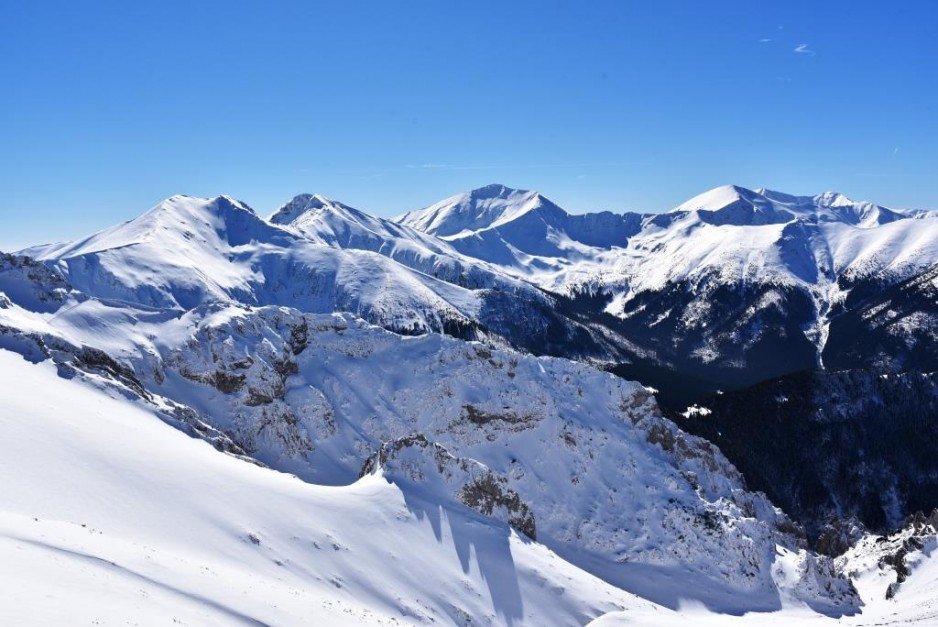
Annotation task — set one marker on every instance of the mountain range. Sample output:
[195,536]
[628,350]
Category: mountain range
[528,376]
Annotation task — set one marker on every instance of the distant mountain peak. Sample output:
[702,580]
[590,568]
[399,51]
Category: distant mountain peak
[833,199]
[477,209]
[303,203]
[497,190]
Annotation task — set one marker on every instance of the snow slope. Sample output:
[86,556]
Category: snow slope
[109,515]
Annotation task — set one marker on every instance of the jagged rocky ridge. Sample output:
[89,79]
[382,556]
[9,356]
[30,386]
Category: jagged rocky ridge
[894,557]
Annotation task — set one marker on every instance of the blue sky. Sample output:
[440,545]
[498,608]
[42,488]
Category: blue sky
[108,107]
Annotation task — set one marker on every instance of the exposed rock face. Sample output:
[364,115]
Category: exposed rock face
[252,377]
[98,368]
[31,284]
[415,459]
[898,552]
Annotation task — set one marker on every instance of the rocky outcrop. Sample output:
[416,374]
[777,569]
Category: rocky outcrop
[897,553]
[415,459]
[31,284]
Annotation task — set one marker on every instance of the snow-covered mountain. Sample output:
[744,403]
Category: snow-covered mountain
[337,225]
[732,287]
[466,427]
[523,232]
[334,346]
[798,239]
[188,251]
[328,257]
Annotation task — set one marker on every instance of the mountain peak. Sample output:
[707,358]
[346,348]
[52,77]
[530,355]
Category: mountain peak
[732,204]
[475,210]
[833,199]
[216,204]
[303,203]
[717,198]
[495,190]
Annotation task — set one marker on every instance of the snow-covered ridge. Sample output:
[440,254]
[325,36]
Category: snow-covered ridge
[703,288]
[187,251]
[335,224]
[731,232]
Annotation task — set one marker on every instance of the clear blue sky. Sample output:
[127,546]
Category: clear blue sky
[108,107]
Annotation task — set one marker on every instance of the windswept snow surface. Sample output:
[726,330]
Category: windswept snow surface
[108,516]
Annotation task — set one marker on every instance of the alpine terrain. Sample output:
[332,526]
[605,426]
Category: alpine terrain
[487,411]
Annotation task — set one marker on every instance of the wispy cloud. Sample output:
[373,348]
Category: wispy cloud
[803,49]
[764,40]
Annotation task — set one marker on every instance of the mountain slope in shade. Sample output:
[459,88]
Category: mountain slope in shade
[888,328]
[855,445]
[896,575]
